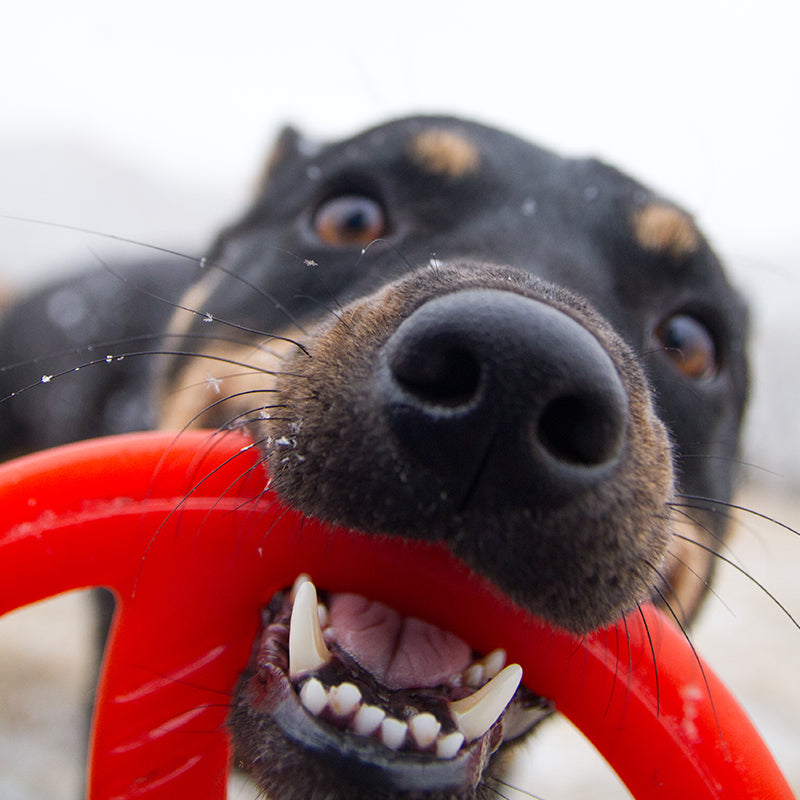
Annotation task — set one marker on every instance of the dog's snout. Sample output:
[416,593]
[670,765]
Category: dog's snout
[504,393]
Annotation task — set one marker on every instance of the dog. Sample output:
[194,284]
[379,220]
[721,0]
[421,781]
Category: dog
[433,330]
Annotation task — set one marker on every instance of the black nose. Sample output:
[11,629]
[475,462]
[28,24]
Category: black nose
[505,398]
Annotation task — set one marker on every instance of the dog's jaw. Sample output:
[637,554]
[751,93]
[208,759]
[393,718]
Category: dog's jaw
[395,729]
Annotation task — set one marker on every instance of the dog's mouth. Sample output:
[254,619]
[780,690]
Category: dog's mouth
[397,701]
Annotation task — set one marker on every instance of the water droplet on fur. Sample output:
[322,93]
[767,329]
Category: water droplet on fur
[313,172]
[213,383]
[529,206]
[47,378]
[591,193]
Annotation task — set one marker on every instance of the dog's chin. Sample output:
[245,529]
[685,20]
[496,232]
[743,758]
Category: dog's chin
[347,698]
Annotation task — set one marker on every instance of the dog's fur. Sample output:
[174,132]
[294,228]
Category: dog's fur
[437,331]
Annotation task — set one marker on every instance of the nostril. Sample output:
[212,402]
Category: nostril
[582,430]
[438,373]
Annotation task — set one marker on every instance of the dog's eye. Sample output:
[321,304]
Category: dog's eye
[349,220]
[689,344]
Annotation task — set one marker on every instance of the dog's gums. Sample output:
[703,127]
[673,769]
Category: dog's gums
[394,702]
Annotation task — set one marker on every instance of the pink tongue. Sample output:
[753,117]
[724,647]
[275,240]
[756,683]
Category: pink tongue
[401,652]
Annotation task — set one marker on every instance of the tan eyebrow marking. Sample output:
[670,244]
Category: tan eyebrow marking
[661,228]
[445,152]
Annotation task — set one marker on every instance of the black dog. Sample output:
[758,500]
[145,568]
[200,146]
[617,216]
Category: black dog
[436,331]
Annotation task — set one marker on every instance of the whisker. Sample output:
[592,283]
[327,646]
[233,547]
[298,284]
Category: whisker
[205,316]
[727,460]
[338,314]
[103,235]
[113,343]
[109,359]
[720,538]
[222,400]
[735,507]
[699,664]
[195,488]
[707,587]
[200,261]
[655,662]
[511,786]
[744,572]
[277,305]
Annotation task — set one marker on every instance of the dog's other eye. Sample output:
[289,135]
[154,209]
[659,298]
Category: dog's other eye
[349,220]
[690,346]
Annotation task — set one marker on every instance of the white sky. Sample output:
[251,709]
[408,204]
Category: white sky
[699,98]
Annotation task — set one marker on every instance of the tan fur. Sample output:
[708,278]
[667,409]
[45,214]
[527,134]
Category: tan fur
[192,302]
[444,152]
[223,370]
[688,568]
[662,228]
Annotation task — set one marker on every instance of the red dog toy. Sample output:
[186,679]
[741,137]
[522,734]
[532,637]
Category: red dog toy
[185,534]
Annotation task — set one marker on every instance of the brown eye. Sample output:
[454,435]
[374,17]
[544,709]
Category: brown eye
[349,220]
[690,346]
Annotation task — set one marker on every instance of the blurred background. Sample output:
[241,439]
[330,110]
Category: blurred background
[151,121]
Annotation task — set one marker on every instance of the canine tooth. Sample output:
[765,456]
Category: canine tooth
[368,719]
[322,614]
[448,746]
[313,696]
[344,699]
[298,582]
[493,663]
[307,650]
[393,733]
[475,714]
[424,729]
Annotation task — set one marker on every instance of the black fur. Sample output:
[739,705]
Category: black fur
[392,430]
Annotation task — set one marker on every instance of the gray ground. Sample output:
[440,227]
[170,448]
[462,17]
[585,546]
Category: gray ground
[749,643]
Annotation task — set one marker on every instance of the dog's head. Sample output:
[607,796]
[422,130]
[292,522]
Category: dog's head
[448,334]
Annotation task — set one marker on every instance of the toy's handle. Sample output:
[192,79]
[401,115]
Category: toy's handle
[182,531]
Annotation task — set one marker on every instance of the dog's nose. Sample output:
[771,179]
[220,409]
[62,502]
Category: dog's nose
[505,397]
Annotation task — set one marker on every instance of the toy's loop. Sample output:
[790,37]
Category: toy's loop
[182,530]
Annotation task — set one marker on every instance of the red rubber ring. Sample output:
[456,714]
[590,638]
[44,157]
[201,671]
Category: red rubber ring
[184,533]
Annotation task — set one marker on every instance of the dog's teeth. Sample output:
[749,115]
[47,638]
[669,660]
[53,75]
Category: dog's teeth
[299,581]
[323,615]
[344,699]
[307,650]
[493,663]
[474,675]
[448,746]
[367,720]
[424,729]
[313,696]
[475,714]
[393,733]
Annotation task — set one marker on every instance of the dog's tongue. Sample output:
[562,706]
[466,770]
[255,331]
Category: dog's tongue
[400,652]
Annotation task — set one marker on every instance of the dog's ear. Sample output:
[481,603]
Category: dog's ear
[289,144]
